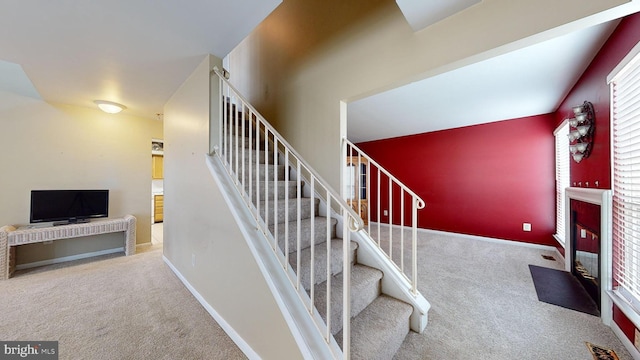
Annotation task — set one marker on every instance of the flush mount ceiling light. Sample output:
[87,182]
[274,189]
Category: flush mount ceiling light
[109,106]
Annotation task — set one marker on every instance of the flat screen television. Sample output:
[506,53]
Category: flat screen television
[68,206]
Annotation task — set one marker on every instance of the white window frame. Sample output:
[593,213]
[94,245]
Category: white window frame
[629,304]
[562,171]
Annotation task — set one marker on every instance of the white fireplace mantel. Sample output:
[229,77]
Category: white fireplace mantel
[600,197]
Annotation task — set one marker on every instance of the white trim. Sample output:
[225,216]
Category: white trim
[343,147]
[600,197]
[493,240]
[560,241]
[624,63]
[563,123]
[635,354]
[562,178]
[235,337]
[69,258]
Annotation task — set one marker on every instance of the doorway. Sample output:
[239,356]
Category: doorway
[157,191]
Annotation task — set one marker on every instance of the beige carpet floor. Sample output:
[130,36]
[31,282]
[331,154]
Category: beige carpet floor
[484,306]
[115,307]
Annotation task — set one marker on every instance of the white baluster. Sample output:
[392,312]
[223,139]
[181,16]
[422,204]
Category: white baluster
[312,247]
[390,218]
[275,192]
[286,207]
[346,287]
[298,204]
[328,240]
[402,230]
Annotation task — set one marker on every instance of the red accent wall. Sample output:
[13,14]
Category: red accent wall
[488,179]
[483,180]
[593,87]
[624,323]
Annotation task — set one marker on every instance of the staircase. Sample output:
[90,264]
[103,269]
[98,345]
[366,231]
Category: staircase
[300,219]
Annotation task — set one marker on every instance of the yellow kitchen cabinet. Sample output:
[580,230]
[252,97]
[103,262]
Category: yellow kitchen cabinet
[157,167]
[158,206]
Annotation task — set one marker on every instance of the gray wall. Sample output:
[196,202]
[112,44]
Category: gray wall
[297,70]
[201,238]
[48,146]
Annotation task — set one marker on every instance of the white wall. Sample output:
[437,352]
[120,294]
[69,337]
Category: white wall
[201,238]
[48,146]
[378,52]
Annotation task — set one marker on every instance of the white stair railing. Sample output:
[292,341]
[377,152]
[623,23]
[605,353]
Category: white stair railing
[253,153]
[400,203]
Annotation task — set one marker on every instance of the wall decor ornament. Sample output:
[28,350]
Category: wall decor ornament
[581,128]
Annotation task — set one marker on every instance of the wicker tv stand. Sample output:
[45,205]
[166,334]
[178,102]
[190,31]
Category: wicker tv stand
[11,236]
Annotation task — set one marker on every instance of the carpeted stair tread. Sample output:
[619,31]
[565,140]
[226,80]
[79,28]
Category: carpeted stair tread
[379,330]
[282,187]
[305,210]
[251,143]
[256,156]
[365,288]
[262,167]
[320,262]
[233,127]
[320,232]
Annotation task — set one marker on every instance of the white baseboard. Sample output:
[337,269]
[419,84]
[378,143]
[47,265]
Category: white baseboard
[235,337]
[69,258]
[635,354]
[494,240]
[559,255]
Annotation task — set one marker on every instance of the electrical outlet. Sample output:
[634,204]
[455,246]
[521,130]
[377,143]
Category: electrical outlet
[526,227]
[583,233]
[385,213]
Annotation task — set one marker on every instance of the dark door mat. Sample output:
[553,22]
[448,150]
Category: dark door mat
[560,288]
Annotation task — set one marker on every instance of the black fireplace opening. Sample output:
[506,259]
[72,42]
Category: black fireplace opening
[586,259]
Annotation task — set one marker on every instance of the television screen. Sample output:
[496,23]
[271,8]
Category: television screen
[68,205]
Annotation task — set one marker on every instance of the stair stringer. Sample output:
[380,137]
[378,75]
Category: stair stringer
[305,332]
[393,282]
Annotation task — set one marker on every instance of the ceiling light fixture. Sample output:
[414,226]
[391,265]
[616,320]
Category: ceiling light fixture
[109,106]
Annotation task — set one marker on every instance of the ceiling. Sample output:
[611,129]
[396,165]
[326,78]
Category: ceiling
[526,82]
[133,52]
[138,53]
[420,13]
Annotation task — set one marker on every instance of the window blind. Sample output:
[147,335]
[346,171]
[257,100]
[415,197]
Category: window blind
[625,96]
[562,176]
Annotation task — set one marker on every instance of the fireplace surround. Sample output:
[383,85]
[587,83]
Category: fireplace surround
[602,198]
